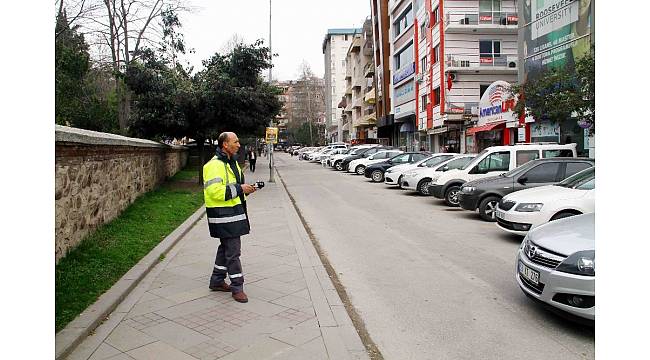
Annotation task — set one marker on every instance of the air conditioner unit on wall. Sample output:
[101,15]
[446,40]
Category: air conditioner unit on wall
[512,62]
[453,76]
[419,77]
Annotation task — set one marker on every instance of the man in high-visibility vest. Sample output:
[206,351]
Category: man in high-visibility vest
[225,201]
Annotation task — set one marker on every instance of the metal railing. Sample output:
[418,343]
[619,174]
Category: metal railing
[487,60]
[482,18]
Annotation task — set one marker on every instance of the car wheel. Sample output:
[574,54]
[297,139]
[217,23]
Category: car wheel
[423,186]
[563,214]
[399,182]
[377,176]
[338,166]
[487,207]
[451,195]
[360,169]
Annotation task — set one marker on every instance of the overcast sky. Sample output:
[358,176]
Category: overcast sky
[298,29]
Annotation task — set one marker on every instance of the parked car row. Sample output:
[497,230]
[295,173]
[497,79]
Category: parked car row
[526,189]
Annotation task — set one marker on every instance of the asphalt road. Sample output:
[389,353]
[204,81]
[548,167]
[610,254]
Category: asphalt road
[429,282]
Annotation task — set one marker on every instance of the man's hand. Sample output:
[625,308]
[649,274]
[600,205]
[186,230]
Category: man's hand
[248,189]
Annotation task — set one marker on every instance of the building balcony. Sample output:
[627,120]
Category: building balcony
[483,22]
[348,89]
[367,120]
[356,45]
[503,64]
[370,97]
[358,82]
[367,47]
[358,103]
[369,70]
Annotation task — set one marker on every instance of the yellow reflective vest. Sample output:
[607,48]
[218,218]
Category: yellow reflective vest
[225,201]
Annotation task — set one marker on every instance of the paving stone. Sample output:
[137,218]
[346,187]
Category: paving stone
[192,294]
[176,335]
[298,335]
[150,306]
[104,351]
[125,338]
[121,356]
[293,302]
[179,287]
[186,308]
[261,307]
[159,351]
[262,350]
[315,346]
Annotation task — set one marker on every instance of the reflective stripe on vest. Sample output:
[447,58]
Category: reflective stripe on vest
[226,219]
[235,275]
[212,181]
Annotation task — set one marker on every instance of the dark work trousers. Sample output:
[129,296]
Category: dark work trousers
[252,164]
[227,262]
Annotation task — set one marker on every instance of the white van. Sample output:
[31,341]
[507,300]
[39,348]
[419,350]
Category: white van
[494,161]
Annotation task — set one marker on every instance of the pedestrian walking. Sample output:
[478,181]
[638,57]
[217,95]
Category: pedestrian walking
[225,201]
[252,159]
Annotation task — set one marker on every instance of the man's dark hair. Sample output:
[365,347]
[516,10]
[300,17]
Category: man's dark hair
[223,137]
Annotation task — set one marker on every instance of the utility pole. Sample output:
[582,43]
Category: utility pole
[271,175]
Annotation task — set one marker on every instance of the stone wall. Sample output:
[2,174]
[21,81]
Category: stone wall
[98,175]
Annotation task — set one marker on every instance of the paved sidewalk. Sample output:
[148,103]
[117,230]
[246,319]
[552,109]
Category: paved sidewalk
[293,311]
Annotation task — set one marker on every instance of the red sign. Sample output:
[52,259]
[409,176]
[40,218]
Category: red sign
[485,18]
[487,60]
[456,110]
[512,19]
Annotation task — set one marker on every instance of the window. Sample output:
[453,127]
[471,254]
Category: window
[404,57]
[423,30]
[423,102]
[483,90]
[499,161]
[417,157]
[436,96]
[524,156]
[435,14]
[489,49]
[436,54]
[423,64]
[543,173]
[575,167]
[346,37]
[557,153]
[400,159]
[437,160]
[487,8]
[589,185]
[403,21]
[458,163]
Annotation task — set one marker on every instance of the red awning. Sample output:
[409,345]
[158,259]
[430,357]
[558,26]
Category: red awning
[488,127]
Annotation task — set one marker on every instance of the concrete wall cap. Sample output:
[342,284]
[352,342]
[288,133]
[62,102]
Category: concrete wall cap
[74,135]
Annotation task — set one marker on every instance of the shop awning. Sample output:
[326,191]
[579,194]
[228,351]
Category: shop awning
[488,127]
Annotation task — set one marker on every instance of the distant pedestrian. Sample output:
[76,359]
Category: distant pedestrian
[225,193]
[252,158]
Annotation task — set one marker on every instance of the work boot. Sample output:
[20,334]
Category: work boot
[240,297]
[220,287]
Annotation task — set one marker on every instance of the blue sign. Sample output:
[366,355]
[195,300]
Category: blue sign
[404,73]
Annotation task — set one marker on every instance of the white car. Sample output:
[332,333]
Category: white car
[419,179]
[324,160]
[556,264]
[393,174]
[494,161]
[524,210]
[318,156]
[335,160]
[359,165]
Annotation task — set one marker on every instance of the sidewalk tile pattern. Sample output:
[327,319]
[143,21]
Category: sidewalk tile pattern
[293,310]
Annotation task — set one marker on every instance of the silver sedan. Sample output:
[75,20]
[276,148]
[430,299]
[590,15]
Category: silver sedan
[556,265]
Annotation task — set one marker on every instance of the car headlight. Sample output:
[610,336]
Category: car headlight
[529,207]
[390,170]
[580,263]
[468,189]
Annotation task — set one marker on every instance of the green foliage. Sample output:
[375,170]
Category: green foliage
[80,99]
[301,135]
[561,94]
[107,254]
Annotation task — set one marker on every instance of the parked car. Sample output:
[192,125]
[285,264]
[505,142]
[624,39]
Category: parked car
[358,166]
[316,157]
[335,160]
[493,161]
[556,265]
[376,171]
[419,179]
[345,162]
[524,210]
[393,175]
[324,160]
[485,194]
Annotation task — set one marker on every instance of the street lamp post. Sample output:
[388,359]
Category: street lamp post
[271,175]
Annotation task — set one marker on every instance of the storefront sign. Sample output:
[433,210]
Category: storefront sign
[550,15]
[403,73]
[404,93]
[497,104]
[405,110]
[521,134]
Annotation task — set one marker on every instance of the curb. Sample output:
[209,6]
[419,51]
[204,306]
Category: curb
[85,323]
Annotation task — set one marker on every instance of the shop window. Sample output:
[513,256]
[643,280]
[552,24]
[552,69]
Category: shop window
[543,173]
[498,161]
[524,156]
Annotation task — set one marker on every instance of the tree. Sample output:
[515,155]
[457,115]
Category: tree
[560,94]
[308,105]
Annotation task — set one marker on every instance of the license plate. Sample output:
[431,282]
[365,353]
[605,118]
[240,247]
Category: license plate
[529,273]
[498,214]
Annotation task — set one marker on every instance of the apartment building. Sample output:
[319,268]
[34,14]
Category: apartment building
[380,32]
[335,48]
[303,101]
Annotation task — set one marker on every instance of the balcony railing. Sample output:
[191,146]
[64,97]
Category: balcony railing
[482,60]
[369,70]
[482,18]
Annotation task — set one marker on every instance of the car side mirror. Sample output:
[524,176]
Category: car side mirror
[389,161]
[522,180]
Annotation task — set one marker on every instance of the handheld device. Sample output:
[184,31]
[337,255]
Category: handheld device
[258,184]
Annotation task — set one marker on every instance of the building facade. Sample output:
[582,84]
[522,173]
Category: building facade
[335,48]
